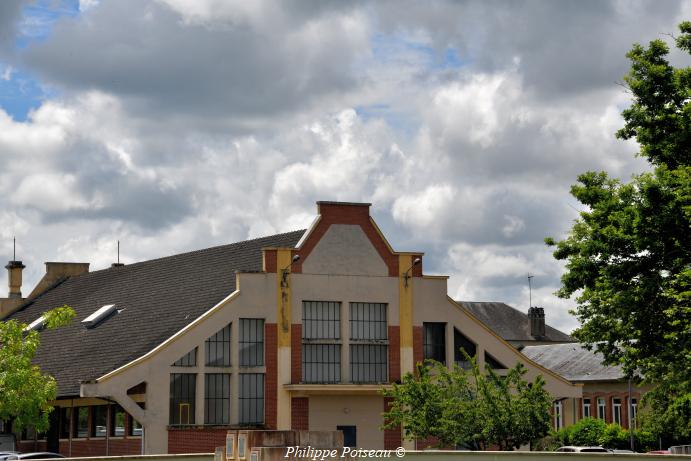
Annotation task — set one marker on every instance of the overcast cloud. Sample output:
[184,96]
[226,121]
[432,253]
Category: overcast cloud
[174,125]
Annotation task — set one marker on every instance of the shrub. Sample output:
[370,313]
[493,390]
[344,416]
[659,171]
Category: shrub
[587,432]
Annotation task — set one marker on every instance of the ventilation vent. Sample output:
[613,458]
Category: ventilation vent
[36,325]
[98,316]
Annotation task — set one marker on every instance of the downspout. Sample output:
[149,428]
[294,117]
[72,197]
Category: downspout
[143,435]
[71,426]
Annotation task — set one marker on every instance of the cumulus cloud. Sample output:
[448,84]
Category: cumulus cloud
[179,124]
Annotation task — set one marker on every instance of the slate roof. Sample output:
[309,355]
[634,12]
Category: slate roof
[573,362]
[510,323]
[159,297]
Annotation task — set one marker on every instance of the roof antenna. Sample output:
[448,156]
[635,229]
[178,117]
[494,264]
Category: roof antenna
[118,252]
[530,290]
[14,248]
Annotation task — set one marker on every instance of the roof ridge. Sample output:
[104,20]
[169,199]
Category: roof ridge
[201,250]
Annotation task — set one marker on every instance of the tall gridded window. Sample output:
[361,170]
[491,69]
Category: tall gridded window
[368,343]
[434,341]
[462,343]
[217,398]
[217,348]
[183,387]
[251,342]
[251,398]
[321,337]
[81,426]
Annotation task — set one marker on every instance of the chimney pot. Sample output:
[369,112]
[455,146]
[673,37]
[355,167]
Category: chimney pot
[536,315]
[14,279]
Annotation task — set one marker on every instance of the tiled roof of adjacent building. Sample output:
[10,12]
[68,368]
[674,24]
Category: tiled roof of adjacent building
[573,362]
[509,323]
[156,299]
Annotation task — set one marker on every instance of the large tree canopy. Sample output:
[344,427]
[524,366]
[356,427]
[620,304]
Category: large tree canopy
[628,256]
[25,391]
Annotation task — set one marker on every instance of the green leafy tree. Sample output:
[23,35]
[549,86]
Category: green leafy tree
[459,407]
[628,256]
[24,390]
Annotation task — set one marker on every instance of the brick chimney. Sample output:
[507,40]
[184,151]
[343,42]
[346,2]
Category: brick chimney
[537,322]
[56,271]
[14,277]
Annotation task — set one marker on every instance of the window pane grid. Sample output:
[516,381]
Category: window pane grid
[251,398]
[321,320]
[217,348]
[368,321]
[182,397]
[217,398]
[251,342]
[187,360]
[460,341]
[321,363]
[368,363]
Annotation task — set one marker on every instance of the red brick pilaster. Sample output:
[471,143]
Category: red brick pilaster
[299,413]
[417,345]
[392,437]
[271,386]
[296,353]
[394,354]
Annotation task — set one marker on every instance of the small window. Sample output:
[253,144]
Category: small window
[493,363]
[217,348]
[81,428]
[251,400]
[434,341]
[616,410]
[601,408]
[217,398]
[65,421]
[230,446]
[117,421]
[586,408]
[461,342]
[251,342]
[183,388]
[558,416]
[187,360]
[99,422]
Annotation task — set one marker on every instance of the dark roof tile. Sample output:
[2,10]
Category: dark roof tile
[157,297]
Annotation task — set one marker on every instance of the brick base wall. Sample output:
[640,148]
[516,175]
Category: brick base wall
[299,413]
[271,386]
[392,437]
[89,447]
[195,440]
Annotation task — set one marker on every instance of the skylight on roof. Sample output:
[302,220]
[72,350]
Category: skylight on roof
[98,316]
[37,324]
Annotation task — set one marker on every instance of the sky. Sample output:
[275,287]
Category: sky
[174,125]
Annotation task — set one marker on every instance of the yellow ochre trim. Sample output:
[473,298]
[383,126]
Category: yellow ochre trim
[513,349]
[176,336]
[405,303]
[283,294]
